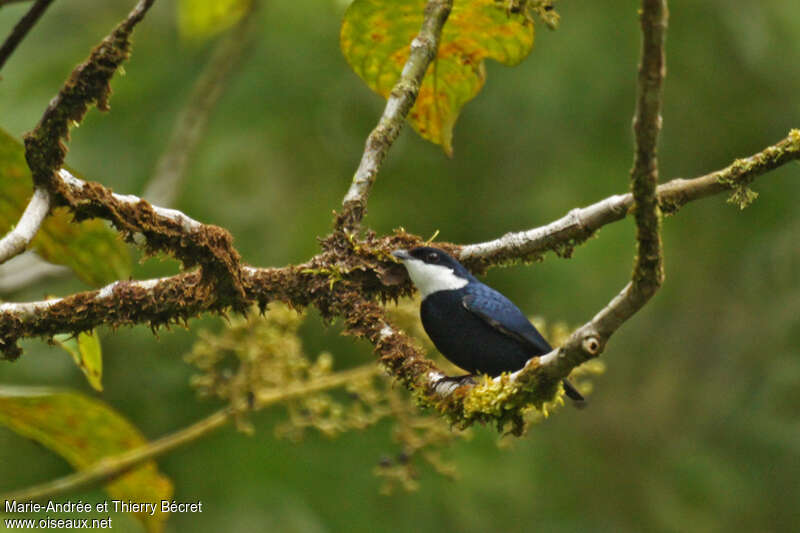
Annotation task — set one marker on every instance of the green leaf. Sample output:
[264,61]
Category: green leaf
[90,248]
[202,19]
[376,37]
[87,354]
[83,430]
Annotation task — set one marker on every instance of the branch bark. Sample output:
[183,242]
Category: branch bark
[88,84]
[16,240]
[424,48]
[562,235]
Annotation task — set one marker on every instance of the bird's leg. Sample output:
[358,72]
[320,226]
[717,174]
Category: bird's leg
[447,384]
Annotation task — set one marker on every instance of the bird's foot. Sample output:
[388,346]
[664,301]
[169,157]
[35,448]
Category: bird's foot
[447,384]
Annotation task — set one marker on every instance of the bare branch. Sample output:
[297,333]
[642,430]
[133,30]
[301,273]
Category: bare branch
[22,28]
[648,269]
[190,125]
[424,48]
[579,224]
[16,240]
[159,230]
[110,468]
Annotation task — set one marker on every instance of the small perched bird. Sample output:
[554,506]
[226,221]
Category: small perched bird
[472,325]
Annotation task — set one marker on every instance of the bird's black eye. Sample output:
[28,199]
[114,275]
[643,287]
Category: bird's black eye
[433,257]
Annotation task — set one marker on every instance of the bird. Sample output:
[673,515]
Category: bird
[474,326]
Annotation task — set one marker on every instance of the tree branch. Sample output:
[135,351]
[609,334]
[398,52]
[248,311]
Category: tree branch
[88,84]
[163,230]
[16,240]
[22,28]
[183,296]
[109,468]
[424,48]
[562,235]
[533,384]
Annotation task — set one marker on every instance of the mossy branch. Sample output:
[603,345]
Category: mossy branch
[88,84]
[353,273]
[367,270]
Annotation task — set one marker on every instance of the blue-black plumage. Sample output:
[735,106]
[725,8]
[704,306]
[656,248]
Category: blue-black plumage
[472,325]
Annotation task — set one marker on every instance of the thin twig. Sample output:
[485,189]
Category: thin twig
[424,48]
[16,240]
[22,28]
[191,123]
[109,468]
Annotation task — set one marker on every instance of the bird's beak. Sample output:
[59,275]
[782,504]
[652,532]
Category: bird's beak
[401,254]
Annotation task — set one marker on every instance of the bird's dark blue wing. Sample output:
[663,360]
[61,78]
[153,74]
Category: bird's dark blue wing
[505,317]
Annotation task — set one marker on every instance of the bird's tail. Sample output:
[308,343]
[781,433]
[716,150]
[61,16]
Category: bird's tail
[573,394]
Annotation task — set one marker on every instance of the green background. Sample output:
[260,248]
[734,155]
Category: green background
[696,424]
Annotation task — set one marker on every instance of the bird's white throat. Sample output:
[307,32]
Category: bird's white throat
[432,278]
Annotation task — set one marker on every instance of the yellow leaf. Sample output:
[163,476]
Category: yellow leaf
[376,37]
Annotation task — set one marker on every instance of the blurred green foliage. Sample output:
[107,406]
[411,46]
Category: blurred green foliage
[83,430]
[694,426]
